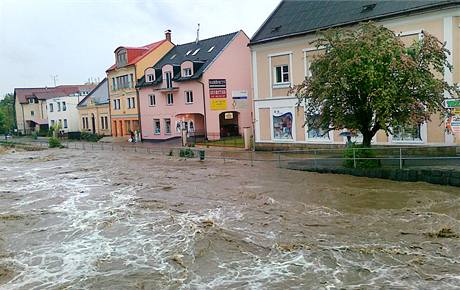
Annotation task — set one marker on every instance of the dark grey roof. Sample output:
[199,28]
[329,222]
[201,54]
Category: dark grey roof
[100,95]
[201,60]
[293,17]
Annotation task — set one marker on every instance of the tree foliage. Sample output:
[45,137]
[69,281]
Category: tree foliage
[367,80]
[7,114]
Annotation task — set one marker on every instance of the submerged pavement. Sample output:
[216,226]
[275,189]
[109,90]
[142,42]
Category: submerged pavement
[121,220]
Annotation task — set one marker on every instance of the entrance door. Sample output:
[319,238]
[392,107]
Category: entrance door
[229,124]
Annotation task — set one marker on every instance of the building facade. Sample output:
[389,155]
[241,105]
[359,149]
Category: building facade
[282,51]
[62,110]
[130,63]
[30,104]
[203,87]
[93,111]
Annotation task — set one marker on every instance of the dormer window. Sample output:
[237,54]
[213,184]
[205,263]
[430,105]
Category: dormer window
[212,47]
[188,52]
[186,72]
[150,78]
[196,51]
[172,57]
[122,58]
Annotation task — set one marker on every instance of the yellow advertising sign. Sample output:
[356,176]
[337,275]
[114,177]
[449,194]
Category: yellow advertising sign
[218,104]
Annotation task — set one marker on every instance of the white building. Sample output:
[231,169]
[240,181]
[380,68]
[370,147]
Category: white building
[63,110]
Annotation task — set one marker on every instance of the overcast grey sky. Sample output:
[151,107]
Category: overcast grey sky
[75,39]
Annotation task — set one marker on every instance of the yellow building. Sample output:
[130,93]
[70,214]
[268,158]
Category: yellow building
[130,65]
[282,53]
[93,110]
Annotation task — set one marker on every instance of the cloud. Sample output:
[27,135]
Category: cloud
[75,39]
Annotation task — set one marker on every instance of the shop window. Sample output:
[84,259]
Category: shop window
[156,126]
[407,133]
[282,124]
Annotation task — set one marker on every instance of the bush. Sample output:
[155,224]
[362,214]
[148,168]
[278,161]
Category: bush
[54,142]
[360,152]
[34,135]
[87,136]
[187,153]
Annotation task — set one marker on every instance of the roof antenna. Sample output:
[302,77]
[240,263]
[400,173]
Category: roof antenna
[197,34]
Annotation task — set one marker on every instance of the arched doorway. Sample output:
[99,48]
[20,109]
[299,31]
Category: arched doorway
[228,122]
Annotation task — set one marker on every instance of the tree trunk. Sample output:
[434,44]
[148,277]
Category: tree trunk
[367,138]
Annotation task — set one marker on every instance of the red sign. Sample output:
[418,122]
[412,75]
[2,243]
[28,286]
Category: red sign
[218,93]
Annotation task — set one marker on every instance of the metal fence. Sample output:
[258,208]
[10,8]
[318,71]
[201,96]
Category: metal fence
[446,157]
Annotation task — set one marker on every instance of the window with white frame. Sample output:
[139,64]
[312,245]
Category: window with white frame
[65,123]
[64,107]
[32,113]
[53,122]
[82,123]
[58,106]
[168,126]
[408,133]
[131,103]
[102,123]
[281,74]
[122,58]
[116,104]
[152,100]
[150,78]
[156,126]
[188,97]
[196,51]
[51,107]
[169,99]
[168,78]
[186,72]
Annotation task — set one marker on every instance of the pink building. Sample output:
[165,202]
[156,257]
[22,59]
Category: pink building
[203,87]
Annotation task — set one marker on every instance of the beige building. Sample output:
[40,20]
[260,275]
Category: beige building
[131,62]
[31,108]
[282,52]
[93,111]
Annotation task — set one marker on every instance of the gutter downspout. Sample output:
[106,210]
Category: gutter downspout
[204,108]
[139,114]
[23,119]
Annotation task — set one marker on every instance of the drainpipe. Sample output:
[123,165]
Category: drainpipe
[139,113]
[23,119]
[204,111]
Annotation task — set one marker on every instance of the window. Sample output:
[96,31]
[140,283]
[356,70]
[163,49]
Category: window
[60,123]
[131,103]
[51,108]
[52,123]
[32,113]
[65,123]
[114,84]
[156,126]
[31,101]
[168,79]
[407,133]
[315,133]
[188,97]
[103,125]
[106,119]
[168,126]
[123,82]
[86,121]
[212,47]
[64,108]
[131,81]
[169,99]
[82,123]
[188,52]
[187,72]
[121,58]
[282,74]
[196,51]
[191,126]
[116,104]
[150,78]
[172,57]
[58,106]
[152,100]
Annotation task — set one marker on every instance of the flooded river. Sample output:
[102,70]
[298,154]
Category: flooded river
[72,219]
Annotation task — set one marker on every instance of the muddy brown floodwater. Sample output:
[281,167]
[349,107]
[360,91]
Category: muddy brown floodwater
[72,219]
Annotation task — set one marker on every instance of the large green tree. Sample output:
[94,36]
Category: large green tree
[7,113]
[368,80]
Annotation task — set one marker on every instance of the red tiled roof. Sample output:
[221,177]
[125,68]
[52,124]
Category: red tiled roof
[137,53]
[47,93]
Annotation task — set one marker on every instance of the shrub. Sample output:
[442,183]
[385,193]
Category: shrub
[360,152]
[54,142]
[187,153]
[87,136]
[34,135]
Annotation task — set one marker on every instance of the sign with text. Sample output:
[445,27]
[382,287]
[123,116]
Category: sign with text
[218,93]
[217,83]
[218,104]
[240,100]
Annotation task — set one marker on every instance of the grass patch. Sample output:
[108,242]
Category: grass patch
[234,141]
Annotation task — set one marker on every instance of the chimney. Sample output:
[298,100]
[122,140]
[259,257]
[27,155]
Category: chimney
[168,35]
